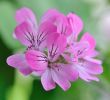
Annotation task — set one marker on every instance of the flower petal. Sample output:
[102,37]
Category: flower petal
[71,39]
[56,44]
[59,20]
[25,34]
[88,68]
[93,53]
[45,29]
[18,61]
[25,15]
[37,60]
[63,26]
[50,15]
[60,79]
[93,66]
[47,80]
[80,49]
[68,72]
[85,75]
[76,24]
[89,38]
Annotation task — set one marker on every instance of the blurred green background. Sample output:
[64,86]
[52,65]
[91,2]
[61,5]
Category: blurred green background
[96,17]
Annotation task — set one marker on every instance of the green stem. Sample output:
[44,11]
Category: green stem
[21,89]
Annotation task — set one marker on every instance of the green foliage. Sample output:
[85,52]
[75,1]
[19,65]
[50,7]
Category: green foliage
[7,24]
[6,73]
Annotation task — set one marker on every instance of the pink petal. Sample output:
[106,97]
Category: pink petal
[71,39]
[25,15]
[85,75]
[80,49]
[59,20]
[88,68]
[50,15]
[60,79]
[14,35]
[89,38]
[93,53]
[47,80]
[18,61]
[76,24]
[93,60]
[63,26]
[25,34]
[45,29]
[93,66]
[37,60]
[68,72]
[56,45]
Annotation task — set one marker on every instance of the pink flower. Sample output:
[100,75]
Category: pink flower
[52,50]
[30,36]
[52,69]
[83,61]
[82,53]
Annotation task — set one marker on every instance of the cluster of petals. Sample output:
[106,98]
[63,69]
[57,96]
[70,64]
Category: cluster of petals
[53,51]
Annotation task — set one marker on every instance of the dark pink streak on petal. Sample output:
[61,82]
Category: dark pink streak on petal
[25,34]
[80,49]
[37,60]
[56,44]
[45,29]
[63,26]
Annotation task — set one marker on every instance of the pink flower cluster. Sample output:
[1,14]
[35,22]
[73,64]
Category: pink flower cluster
[54,52]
